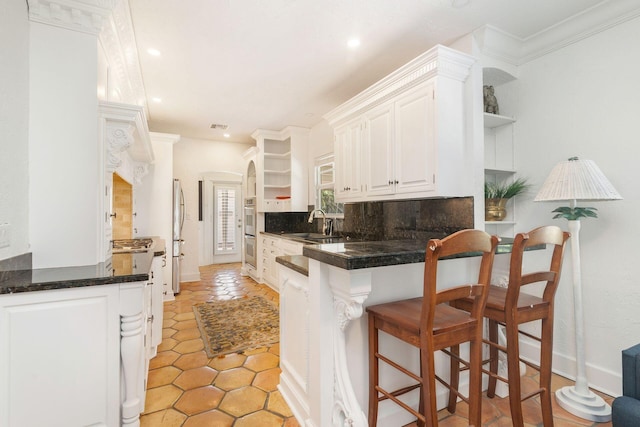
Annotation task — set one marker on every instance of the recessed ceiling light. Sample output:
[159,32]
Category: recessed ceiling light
[226,135]
[153,52]
[353,43]
[156,99]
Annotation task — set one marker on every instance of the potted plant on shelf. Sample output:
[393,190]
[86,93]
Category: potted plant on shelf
[497,194]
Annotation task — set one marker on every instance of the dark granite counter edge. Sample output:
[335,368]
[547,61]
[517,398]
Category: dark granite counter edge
[68,284]
[392,257]
[298,263]
[28,280]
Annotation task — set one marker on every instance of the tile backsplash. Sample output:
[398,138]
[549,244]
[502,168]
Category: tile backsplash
[123,208]
[419,219]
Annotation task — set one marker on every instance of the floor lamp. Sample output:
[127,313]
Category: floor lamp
[575,180]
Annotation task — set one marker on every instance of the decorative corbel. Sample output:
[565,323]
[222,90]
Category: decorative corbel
[140,170]
[119,137]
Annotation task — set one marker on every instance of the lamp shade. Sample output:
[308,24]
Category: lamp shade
[576,179]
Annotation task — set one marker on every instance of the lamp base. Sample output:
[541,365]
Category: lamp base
[589,406]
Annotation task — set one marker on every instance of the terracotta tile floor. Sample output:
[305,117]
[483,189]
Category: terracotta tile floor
[186,388]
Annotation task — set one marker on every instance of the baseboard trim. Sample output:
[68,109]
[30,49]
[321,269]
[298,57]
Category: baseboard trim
[600,379]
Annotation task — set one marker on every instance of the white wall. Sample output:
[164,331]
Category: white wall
[320,143]
[14,126]
[63,151]
[154,197]
[583,101]
[191,159]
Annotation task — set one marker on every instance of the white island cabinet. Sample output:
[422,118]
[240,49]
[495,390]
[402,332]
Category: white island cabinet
[59,355]
[294,342]
[324,332]
[63,353]
[75,342]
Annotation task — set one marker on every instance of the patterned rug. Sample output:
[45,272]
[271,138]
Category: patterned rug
[237,325]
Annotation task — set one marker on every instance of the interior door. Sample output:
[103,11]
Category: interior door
[227,220]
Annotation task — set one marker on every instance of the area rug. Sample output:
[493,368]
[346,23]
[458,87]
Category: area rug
[237,325]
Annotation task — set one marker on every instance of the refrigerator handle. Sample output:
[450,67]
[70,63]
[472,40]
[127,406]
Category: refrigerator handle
[182,210]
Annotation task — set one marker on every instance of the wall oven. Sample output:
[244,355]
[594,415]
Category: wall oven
[250,216]
[250,248]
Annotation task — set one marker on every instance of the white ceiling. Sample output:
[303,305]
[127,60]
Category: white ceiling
[268,64]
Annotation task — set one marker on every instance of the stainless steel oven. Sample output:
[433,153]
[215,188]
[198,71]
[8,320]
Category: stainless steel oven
[250,250]
[250,216]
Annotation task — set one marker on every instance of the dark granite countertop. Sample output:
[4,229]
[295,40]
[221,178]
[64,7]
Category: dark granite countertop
[299,263]
[356,255]
[120,268]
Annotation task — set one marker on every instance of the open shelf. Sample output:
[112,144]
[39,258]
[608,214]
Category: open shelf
[496,120]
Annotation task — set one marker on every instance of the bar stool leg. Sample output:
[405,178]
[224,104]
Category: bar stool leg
[454,380]
[475,383]
[428,385]
[546,351]
[373,373]
[493,357]
[513,365]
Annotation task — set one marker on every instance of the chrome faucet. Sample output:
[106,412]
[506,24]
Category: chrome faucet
[327,224]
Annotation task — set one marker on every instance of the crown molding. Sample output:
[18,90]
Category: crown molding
[280,135]
[164,137]
[119,43]
[86,16]
[599,18]
[495,43]
[437,61]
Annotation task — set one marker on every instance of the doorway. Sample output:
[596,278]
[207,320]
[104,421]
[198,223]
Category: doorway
[222,222]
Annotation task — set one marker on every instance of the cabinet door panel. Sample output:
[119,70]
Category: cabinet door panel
[380,153]
[415,143]
[59,353]
[348,149]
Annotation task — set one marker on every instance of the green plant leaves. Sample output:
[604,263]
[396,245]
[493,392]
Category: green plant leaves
[574,213]
[493,190]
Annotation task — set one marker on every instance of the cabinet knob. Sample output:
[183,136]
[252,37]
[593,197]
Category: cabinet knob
[396,181]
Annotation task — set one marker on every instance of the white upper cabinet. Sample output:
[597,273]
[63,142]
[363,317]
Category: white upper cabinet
[380,151]
[348,149]
[411,130]
[415,147]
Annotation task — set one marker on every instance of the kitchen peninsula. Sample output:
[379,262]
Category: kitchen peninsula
[324,340]
[75,341]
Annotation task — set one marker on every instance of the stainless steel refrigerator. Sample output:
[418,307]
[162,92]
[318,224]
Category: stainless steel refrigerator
[178,222]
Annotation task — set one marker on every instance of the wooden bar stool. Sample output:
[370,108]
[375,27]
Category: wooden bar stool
[510,307]
[430,324]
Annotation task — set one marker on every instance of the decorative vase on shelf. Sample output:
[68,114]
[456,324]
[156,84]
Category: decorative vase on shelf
[495,209]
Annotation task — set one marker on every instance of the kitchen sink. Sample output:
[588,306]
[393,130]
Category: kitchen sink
[316,238]
[309,236]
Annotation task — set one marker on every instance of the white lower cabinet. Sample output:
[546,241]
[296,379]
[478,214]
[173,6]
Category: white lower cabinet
[156,278]
[269,267]
[73,357]
[294,342]
[272,247]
